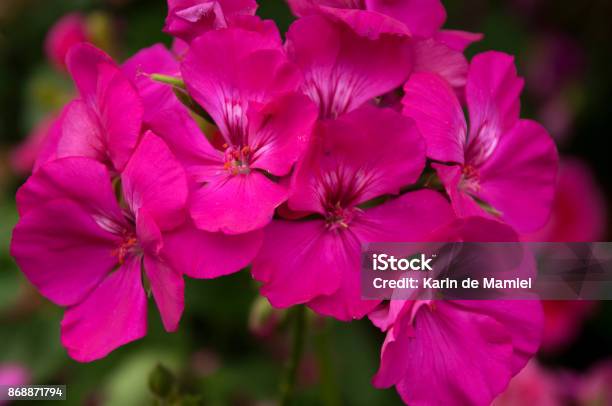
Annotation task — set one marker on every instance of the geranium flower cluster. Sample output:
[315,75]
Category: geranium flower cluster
[237,148]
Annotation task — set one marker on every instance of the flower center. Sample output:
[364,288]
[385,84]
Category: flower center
[128,247]
[237,159]
[338,217]
[470,180]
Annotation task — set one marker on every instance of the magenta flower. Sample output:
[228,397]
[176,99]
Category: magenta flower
[503,163]
[349,58]
[244,81]
[84,248]
[579,208]
[105,122]
[13,374]
[360,156]
[69,30]
[434,50]
[444,352]
[188,19]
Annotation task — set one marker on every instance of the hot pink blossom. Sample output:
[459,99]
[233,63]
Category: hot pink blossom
[579,208]
[445,352]
[503,162]
[85,248]
[435,50]
[13,374]
[578,214]
[70,30]
[534,385]
[243,80]
[362,155]
[104,123]
[349,58]
[187,19]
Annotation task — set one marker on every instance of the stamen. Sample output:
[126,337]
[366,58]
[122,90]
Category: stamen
[128,247]
[470,181]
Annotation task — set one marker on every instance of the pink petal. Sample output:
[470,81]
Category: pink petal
[155,180]
[181,133]
[523,320]
[82,180]
[524,167]
[410,217]
[341,154]
[69,30]
[168,289]
[422,17]
[465,357]
[187,19]
[81,133]
[236,204]
[346,65]
[579,210]
[432,104]
[113,315]
[204,255]
[302,260]
[435,57]
[492,93]
[111,95]
[23,157]
[365,23]
[280,132]
[156,97]
[63,251]
[463,203]
[394,359]
[228,69]
[458,40]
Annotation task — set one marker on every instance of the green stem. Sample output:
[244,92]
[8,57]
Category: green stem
[298,318]
[329,387]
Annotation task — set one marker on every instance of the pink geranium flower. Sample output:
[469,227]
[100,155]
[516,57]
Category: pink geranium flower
[243,80]
[445,352]
[104,123]
[362,155]
[435,50]
[188,19]
[69,30]
[84,247]
[578,214]
[579,210]
[503,163]
[349,58]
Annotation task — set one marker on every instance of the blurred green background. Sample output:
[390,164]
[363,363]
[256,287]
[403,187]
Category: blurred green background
[563,47]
